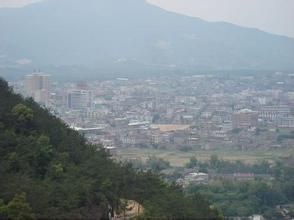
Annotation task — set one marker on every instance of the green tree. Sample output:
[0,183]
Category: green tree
[44,155]
[192,163]
[17,208]
[157,164]
[22,113]
[214,161]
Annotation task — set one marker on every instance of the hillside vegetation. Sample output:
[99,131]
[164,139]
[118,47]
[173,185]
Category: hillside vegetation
[49,171]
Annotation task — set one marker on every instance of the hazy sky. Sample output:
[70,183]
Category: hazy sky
[276,16]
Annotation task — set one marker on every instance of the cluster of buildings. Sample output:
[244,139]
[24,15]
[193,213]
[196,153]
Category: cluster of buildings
[193,178]
[200,111]
[253,217]
[198,178]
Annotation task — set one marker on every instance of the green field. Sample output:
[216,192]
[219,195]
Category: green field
[179,158]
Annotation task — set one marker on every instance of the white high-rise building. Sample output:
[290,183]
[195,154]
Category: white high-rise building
[37,86]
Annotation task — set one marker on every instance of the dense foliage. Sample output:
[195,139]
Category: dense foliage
[49,171]
[220,166]
[245,198]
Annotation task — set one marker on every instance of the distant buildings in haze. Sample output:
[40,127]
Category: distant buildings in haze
[245,118]
[37,86]
[79,99]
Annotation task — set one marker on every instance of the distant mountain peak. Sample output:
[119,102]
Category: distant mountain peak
[100,32]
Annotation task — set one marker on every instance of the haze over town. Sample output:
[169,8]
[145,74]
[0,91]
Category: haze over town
[157,109]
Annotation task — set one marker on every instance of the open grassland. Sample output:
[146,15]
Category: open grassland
[179,158]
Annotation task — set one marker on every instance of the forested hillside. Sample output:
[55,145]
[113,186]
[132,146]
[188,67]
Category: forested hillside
[49,171]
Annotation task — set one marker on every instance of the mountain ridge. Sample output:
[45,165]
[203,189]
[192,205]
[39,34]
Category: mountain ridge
[105,33]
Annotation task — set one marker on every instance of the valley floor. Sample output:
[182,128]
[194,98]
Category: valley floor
[179,158]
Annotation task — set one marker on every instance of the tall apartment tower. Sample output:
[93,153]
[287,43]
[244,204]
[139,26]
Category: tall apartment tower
[37,86]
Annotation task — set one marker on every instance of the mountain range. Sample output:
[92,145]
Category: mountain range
[111,33]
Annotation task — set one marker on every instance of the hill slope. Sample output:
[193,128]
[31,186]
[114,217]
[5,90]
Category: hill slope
[48,171]
[132,32]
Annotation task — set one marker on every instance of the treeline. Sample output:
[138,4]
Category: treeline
[48,171]
[246,198]
[282,137]
[217,165]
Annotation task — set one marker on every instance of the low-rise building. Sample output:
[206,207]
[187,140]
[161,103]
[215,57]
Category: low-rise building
[245,118]
[193,178]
